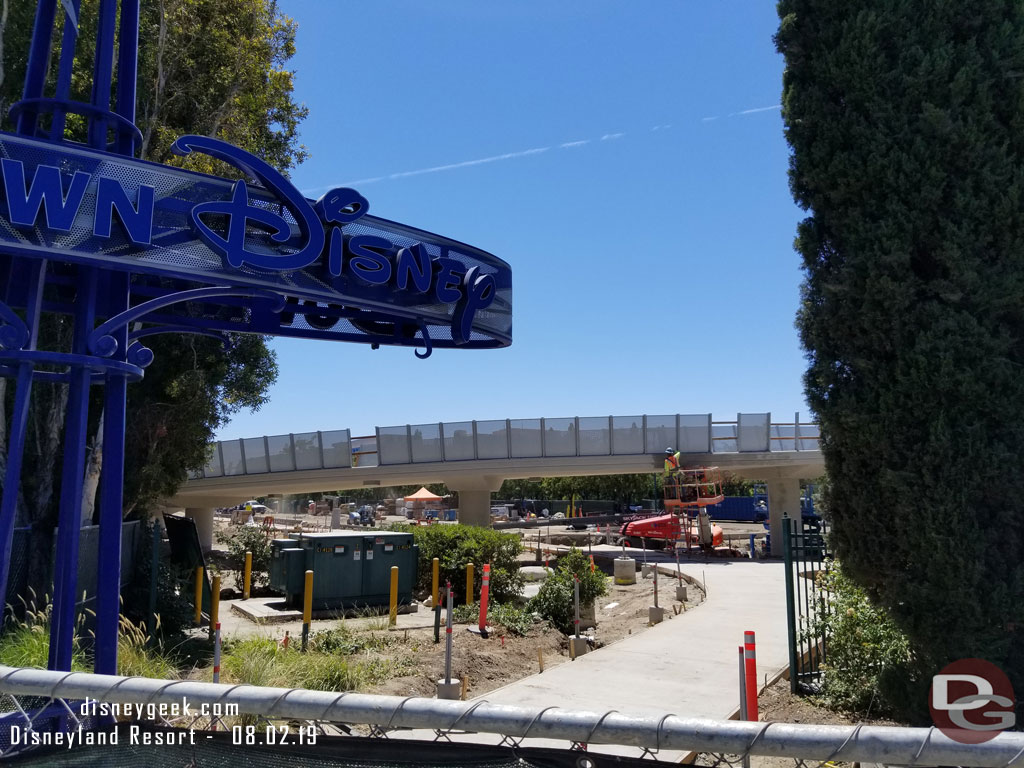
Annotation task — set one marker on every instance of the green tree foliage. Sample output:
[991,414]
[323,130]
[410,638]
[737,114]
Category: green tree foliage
[621,488]
[905,122]
[556,601]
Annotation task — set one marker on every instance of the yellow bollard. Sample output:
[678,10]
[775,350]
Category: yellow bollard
[307,608]
[199,595]
[469,583]
[247,581]
[214,605]
[393,614]
[433,584]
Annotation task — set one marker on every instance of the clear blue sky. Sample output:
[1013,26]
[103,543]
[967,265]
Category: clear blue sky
[626,159]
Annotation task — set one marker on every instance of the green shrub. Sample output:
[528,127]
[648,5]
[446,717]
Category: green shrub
[457,545]
[865,652]
[516,620]
[248,538]
[555,600]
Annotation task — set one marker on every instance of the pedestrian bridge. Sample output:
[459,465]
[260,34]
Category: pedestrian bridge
[475,457]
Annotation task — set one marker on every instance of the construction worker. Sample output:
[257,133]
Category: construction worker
[671,461]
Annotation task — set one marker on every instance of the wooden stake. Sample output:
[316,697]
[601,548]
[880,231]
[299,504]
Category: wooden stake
[465,686]
[540,659]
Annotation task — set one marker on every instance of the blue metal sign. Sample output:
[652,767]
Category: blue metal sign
[336,272]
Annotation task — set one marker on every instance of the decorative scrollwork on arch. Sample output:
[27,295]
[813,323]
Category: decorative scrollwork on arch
[102,343]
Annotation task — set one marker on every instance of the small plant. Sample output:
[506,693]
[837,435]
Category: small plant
[244,539]
[555,600]
[516,620]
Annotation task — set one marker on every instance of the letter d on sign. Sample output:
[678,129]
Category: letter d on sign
[940,692]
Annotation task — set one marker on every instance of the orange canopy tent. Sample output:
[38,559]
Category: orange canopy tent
[423,495]
[420,501]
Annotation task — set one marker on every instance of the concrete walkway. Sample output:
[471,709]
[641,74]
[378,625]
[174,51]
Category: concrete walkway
[686,666]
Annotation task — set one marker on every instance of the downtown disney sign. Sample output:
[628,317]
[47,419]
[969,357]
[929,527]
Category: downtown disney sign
[323,269]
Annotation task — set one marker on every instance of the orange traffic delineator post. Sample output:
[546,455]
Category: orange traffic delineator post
[485,589]
[592,566]
[750,667]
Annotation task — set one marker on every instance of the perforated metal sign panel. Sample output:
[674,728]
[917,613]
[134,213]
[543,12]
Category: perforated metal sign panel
[367,278]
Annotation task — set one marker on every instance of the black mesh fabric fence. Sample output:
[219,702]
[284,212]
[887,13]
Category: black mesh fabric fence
[18,587]
[201,749]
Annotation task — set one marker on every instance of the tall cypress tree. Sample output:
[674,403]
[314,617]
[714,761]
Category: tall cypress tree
[906,122]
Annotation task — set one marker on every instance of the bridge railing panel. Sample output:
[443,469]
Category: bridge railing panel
[280,453]
[525,438]
[425,442]
[753,431]
[595,436]
[492,439]
[628,435]
[307,450]
[393,445]
[560,437]
[660,434]
[255,452]
[231,455]
[694,433]
[337,448]
[458,441]
[215,466]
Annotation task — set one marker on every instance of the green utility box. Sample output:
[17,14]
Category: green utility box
[350,569]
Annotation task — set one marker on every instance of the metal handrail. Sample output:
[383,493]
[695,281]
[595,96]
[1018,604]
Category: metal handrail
[860,743]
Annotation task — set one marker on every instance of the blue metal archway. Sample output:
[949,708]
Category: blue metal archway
[116,243]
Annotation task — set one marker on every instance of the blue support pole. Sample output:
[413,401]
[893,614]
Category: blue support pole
[19,425]
[108,586]
[38,62]
[69,524]
[67,60]
[103,72]
[127,67]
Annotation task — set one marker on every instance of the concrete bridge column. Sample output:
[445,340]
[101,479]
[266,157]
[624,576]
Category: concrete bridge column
[783,499]
[203,518]
[475,500]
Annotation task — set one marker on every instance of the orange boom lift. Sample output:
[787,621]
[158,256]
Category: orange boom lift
[686,491]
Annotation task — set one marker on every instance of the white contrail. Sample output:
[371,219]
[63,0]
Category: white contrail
[512,155]
[756,109]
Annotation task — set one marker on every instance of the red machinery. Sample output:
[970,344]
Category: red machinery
[685,489]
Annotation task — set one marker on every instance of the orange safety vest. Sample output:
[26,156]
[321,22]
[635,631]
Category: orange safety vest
[672,462]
